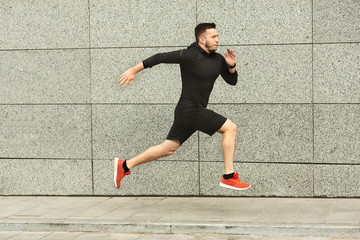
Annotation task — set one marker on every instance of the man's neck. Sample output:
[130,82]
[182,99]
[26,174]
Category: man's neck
[203,47]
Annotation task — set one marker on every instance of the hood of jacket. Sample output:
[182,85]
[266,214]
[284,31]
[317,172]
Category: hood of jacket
[196,46]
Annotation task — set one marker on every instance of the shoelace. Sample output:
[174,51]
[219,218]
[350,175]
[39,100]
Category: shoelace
[236,177]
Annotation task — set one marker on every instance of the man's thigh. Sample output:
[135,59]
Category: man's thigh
[209,121]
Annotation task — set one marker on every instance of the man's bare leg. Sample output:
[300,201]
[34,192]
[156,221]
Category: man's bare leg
[230,179]
[164,149]
[228,131]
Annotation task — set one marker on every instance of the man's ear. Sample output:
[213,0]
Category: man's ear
[202,40]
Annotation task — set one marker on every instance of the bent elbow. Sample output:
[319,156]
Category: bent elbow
[233,83]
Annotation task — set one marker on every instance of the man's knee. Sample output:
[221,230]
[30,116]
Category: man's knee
[169,147]
[233,127]
[169,152]
[228,126]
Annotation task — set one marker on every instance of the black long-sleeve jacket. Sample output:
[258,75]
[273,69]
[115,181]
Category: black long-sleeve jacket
[199,70]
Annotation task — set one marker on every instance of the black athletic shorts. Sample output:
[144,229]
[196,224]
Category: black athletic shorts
[191,117]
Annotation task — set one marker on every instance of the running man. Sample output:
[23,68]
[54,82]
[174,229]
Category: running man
[200,66]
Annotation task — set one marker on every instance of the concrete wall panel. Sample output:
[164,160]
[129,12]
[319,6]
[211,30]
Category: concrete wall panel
[44,24]
[337,133]
[258,22]
[137,23]
[266,179]
[45,177]
[45,131]
[337,181]
[154,178]
[337,73]
[45,76]
[266,133]
[336,21]
[126,131]
[160,84]
[268,74]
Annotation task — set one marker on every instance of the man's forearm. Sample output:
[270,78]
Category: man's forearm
[138,67]
[232,70]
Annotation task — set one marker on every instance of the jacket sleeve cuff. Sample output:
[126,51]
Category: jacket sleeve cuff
[146,64]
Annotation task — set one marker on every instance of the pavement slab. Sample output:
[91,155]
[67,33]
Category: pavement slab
[315,217]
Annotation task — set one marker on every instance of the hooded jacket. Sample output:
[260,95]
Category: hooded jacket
[199,70]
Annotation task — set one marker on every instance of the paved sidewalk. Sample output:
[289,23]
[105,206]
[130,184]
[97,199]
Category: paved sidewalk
[183,215]
[146,236]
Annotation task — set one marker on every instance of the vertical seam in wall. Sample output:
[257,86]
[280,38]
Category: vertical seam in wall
[199,170]
[199,165]
[312,93]
[196,13]
[91,107]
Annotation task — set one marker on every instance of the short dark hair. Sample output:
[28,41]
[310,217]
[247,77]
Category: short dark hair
[201,28]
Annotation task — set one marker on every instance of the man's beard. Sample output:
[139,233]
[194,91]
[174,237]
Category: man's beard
[210,47]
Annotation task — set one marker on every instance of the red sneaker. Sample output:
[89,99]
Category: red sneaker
[119,171]
[234,183]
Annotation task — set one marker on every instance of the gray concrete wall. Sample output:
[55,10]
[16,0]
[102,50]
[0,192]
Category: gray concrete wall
[63,118]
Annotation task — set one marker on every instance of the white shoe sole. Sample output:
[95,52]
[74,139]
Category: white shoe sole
[116,161]
[233,188]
